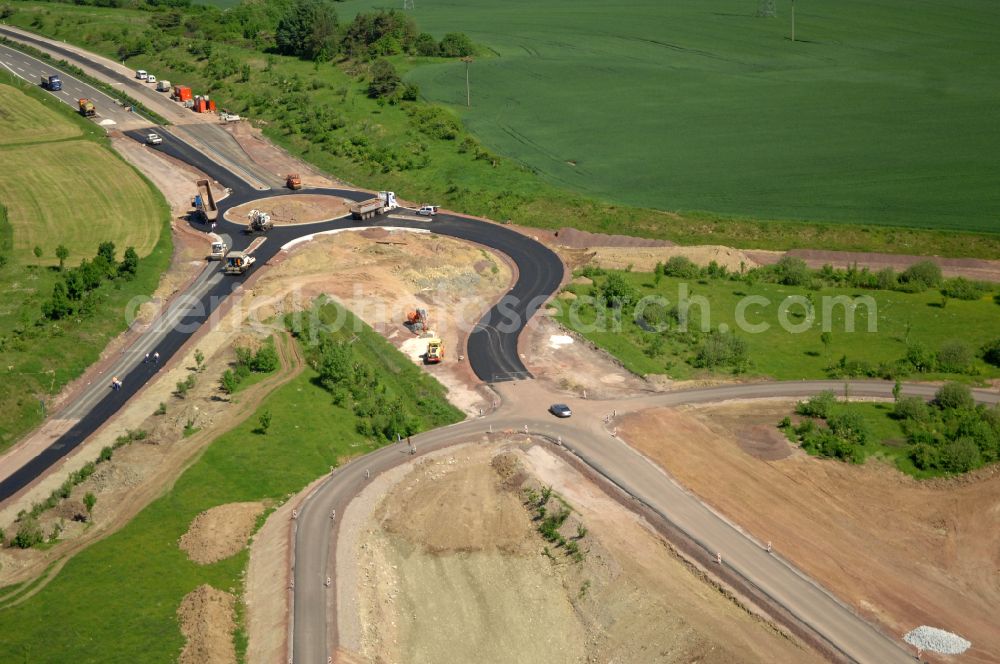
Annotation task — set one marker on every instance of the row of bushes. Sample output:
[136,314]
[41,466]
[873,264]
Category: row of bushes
[791,271]
[953,356]
[29,532]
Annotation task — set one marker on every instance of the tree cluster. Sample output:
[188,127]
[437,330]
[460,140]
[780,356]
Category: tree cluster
[263,360]
[75,293]
[951,434]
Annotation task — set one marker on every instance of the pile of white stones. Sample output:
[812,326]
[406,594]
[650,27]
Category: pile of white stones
[937,640]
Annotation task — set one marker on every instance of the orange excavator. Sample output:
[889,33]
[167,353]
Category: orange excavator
[416,320]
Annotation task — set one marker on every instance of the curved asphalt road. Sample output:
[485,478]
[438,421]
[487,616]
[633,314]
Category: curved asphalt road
[314,604]
[492,345]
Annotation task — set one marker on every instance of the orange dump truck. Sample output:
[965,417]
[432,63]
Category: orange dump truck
[87,108]
[181,93]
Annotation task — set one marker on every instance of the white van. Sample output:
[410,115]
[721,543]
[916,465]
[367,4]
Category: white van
[428,210]
[141,74]
[151,79]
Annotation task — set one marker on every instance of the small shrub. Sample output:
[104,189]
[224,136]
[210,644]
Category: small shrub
[954,396]
[817,406]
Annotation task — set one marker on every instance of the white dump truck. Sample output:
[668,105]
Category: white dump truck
[385,201]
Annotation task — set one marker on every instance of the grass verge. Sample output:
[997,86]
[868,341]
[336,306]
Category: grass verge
[52,198]
[116,601]
[896,334]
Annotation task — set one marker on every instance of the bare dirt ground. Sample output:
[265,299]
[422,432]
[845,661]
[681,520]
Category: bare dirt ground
[220,532]
[645,259]
[566,362]
[903,553]
[294,209]
[206,618]
[380,276]
[457,521]
[276,160]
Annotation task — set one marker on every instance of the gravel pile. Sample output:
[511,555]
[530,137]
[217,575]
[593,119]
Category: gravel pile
[937,640]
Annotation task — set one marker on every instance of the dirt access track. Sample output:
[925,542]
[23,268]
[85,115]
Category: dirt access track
[902,552]
[457,520]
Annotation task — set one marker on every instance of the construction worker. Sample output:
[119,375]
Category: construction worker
[156,357]
[146,361]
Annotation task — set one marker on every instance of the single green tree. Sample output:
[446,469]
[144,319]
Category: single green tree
[264,422]
[37,251]
[62,253]
[89,501]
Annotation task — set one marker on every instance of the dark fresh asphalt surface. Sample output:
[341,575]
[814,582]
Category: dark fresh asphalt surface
[492,345]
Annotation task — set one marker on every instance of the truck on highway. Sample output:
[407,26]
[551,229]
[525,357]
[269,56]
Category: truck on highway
[385,201]
[87,108]
[238,262]
[204,202]
[52,83]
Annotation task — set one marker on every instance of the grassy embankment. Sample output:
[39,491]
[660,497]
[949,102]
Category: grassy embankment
[904,321]
[116,601]
[63,185]
[322,113]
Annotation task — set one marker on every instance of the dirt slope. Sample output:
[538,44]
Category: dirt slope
[453,570]
[903,553]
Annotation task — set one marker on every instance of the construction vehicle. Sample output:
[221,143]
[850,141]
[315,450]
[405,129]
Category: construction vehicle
[226,116]
[163,85]
[260,222]
[204,202]
[87,108]
[293,181]
[181,93]
[416,320]
[52,83]
[385,201]
[153,139]
[238,262]
[435,351]
[219,251]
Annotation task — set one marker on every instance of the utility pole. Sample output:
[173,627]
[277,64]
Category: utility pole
[468,93]
[793,20]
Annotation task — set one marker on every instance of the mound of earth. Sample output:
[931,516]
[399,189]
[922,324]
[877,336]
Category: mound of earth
[206,619]
[293,209]
[458,521]
[220,532]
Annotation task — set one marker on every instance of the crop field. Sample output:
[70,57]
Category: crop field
[51,193]
[880,113]
[790,351]
[24,120]
[51,197]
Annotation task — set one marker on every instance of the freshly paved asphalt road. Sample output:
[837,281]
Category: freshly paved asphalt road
[492,345]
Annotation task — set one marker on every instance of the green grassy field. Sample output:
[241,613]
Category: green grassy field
[50,200]
[902,318]
[322,113]
[882,112]
[24,120]
[116,602]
